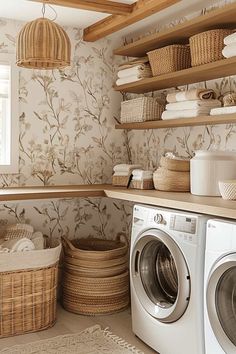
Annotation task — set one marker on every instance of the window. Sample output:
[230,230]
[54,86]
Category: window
[9,135]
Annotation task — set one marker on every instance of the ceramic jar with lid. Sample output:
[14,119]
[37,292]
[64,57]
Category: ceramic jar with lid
[207,168]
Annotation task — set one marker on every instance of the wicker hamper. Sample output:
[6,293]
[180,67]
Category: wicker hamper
[169,59]
[28,291]
[96,278]
[206,47]
[140,110]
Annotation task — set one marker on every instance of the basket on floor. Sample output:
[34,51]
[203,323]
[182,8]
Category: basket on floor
[141,109]
[28,291]
[96,278]
[206,47]
[168,59]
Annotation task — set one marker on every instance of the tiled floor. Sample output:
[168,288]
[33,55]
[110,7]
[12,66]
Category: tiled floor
[119,324]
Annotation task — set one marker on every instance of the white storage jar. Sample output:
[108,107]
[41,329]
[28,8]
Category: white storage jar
[207,168]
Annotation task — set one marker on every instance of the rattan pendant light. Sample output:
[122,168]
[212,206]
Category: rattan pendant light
[43,44]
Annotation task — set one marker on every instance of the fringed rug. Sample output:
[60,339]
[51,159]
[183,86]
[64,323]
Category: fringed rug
[92,340]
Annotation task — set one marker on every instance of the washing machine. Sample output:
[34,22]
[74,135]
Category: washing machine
[220,287]
[167,277]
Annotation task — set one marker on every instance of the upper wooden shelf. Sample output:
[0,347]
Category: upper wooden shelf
[215,70]
[183,122]
[221,18]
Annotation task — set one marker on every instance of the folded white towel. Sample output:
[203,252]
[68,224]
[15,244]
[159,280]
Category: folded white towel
[127,80]
[19,245]
[230,39]
[140,71]
[223,110]
[229,51]
[141,174]
[125,167]
[177,106]
[122,173]
[185,113]
[38,240]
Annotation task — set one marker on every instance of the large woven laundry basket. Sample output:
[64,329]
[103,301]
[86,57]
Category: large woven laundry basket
[95,277]
[28,291]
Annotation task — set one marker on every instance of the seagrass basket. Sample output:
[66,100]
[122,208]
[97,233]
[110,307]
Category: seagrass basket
[168,59]
[28,295]
[206,47]
[96,278]
[141,109]
[175,164]
[121,181]
[171,181]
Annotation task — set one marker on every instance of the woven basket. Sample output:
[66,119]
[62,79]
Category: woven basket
[206,47]
[121,181]
[28,300]
[96,278]
[171,181]
[18,231]
[140,110]
[143,184]
[175,164]
[168,59]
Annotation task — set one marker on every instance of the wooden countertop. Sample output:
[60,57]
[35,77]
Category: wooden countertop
[214,206]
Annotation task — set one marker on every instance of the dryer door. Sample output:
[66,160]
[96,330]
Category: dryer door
[221,302]
[160,276]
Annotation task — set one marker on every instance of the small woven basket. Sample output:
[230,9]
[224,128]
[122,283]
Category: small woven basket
[143,184]
[140,110]
[168,59]
[121,181]
[171,181]
[206,47]
[175,164]
[18,231]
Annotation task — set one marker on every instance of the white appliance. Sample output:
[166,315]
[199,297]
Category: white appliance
[167,270]
[207,168]
[220,287]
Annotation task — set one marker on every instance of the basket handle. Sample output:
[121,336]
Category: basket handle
[121,235]
[67,243]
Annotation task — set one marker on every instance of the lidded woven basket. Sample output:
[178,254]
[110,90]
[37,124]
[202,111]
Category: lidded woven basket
[206,47]
[42,44]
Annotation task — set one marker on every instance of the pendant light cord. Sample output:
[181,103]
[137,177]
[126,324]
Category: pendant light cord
[44,10]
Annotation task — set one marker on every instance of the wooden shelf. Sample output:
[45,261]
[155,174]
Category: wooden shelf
[50,192]
[214,206]
[183,122]
[221,18]
[215,70]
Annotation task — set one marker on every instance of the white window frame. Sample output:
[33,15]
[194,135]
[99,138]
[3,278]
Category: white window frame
[13,167]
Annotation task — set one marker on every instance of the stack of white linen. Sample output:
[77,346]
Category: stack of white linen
[230,46]
[125,169]
[139,175]
[134,70]
[190,103]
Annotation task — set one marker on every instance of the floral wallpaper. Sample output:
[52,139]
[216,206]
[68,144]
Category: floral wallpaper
[67,136]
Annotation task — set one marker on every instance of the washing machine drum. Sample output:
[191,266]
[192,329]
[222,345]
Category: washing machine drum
[160,276]
[221,302]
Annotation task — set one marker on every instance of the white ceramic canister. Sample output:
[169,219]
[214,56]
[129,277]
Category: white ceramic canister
[207,168]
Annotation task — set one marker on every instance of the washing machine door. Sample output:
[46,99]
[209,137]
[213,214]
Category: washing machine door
[221,302]
[160,276]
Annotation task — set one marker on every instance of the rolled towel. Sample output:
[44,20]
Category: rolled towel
[125,167]
[127,80]
[19,245]
[229,51]
[4,250]
[141,174]
[223,110]
[38,240]
[190,95]
[140,71]
[131,63]
[230,39]
[186,113]
[192,105]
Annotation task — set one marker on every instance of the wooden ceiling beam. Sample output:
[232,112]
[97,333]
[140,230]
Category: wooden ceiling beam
[111,24]
[105,6]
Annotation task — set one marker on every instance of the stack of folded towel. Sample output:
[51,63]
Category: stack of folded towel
[142,179]
[229,103]
[190,103]
[134,70]
[122,174]
[230,46]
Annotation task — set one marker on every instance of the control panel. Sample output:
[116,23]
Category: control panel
[183,223]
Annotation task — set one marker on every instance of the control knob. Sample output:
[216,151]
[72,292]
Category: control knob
[158,218]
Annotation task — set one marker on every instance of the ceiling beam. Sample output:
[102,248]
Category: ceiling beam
[111,24]
[106,6]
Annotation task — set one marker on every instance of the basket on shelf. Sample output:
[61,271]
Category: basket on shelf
[206,47]
[169,59]
[175,164]
[28,291]
[17,231]
[141,109]
[96,278]
[171,181]
[121,181]
[142,184]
